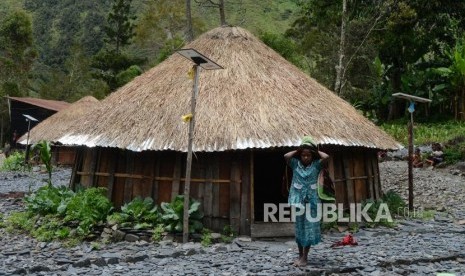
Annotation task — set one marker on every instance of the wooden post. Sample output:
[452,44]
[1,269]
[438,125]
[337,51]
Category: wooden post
[410,163]
[185,231]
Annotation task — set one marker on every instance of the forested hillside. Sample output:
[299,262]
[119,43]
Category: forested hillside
[362,50]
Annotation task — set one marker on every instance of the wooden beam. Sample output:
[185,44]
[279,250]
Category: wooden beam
[176,176]
[369,172]
[155,173]
[349,182]
[128,182]
[111,176]
[245,196]
[208,199]
[235,196]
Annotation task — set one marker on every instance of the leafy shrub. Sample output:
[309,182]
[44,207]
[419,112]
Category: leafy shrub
[158,232]
[228,234]
[21,221]
[173,215]
[45,153]
[15,162]
[206,237]
[49,200]
[88,207]
[394,201]
[140,212]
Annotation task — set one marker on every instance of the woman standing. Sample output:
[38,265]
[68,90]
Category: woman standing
[306,163]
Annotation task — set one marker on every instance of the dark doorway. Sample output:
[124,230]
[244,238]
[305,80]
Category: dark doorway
[269,167]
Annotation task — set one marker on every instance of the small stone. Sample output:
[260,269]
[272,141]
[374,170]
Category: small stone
[190,252]
[137,258]
[112,260]
[99,262]
[39,268]
[131,238]
[82,263]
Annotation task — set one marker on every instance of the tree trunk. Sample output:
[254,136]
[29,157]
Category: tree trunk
[394,105]
[222,15]
[338,83]
[189,31]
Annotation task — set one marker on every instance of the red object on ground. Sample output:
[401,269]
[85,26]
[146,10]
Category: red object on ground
[347,240]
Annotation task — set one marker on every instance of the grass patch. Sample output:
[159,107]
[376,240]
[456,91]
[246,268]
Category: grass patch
[426,133]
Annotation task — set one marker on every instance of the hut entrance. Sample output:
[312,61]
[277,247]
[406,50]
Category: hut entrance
[268,174]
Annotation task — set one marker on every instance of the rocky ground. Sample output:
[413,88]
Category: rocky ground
[414,247]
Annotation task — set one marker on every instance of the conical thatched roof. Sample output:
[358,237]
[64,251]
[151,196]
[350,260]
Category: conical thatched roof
[259,100]
[62,122]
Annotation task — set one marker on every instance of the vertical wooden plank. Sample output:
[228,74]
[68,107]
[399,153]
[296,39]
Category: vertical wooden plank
[76,167]
[339,180]
[155,174]
[137,183]
[208,191]
[111,170]
[359,184]
[245,196]
[93,166]
[369,173]
[376,180]
[252,183]
[346,160]
[128,181]
[224,188]
[176,176]
[215,193]
[235,195]
[147,172]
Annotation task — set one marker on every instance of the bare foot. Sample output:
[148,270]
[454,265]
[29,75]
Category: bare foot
[296,262]
[301,262]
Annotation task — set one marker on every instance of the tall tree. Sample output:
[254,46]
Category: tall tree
[16,53]
[120,27]
[215,4]
[189,29]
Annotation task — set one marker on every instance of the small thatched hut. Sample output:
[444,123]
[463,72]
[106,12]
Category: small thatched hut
[248,115]
[61,122]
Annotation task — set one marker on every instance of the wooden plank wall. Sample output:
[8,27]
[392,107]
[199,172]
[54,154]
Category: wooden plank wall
[356,176]
[220,181]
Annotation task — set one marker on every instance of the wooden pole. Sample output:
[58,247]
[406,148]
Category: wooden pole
[410,163]
[26,156]
[185,231]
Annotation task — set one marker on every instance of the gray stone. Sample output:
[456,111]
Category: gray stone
[118,235]
[39,268]
[131,238]
[136,258]
[99,262]
[82,263]
[112,260]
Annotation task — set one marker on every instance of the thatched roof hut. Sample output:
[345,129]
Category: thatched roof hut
[61,122]
[259,100]
[247,116]
[52,128]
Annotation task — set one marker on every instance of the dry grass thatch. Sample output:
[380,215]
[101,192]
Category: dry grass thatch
[61,122]
[258,100]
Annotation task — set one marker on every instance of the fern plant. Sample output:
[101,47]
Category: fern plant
[173,215]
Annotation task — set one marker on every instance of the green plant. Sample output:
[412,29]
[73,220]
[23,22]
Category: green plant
[88,207]
[206,237]
[22,221]
[14,162]
[394,201]
[173,215]
[49,200]
[228,234]
[45,154]
[158,232]
[48,229]
[140,213]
